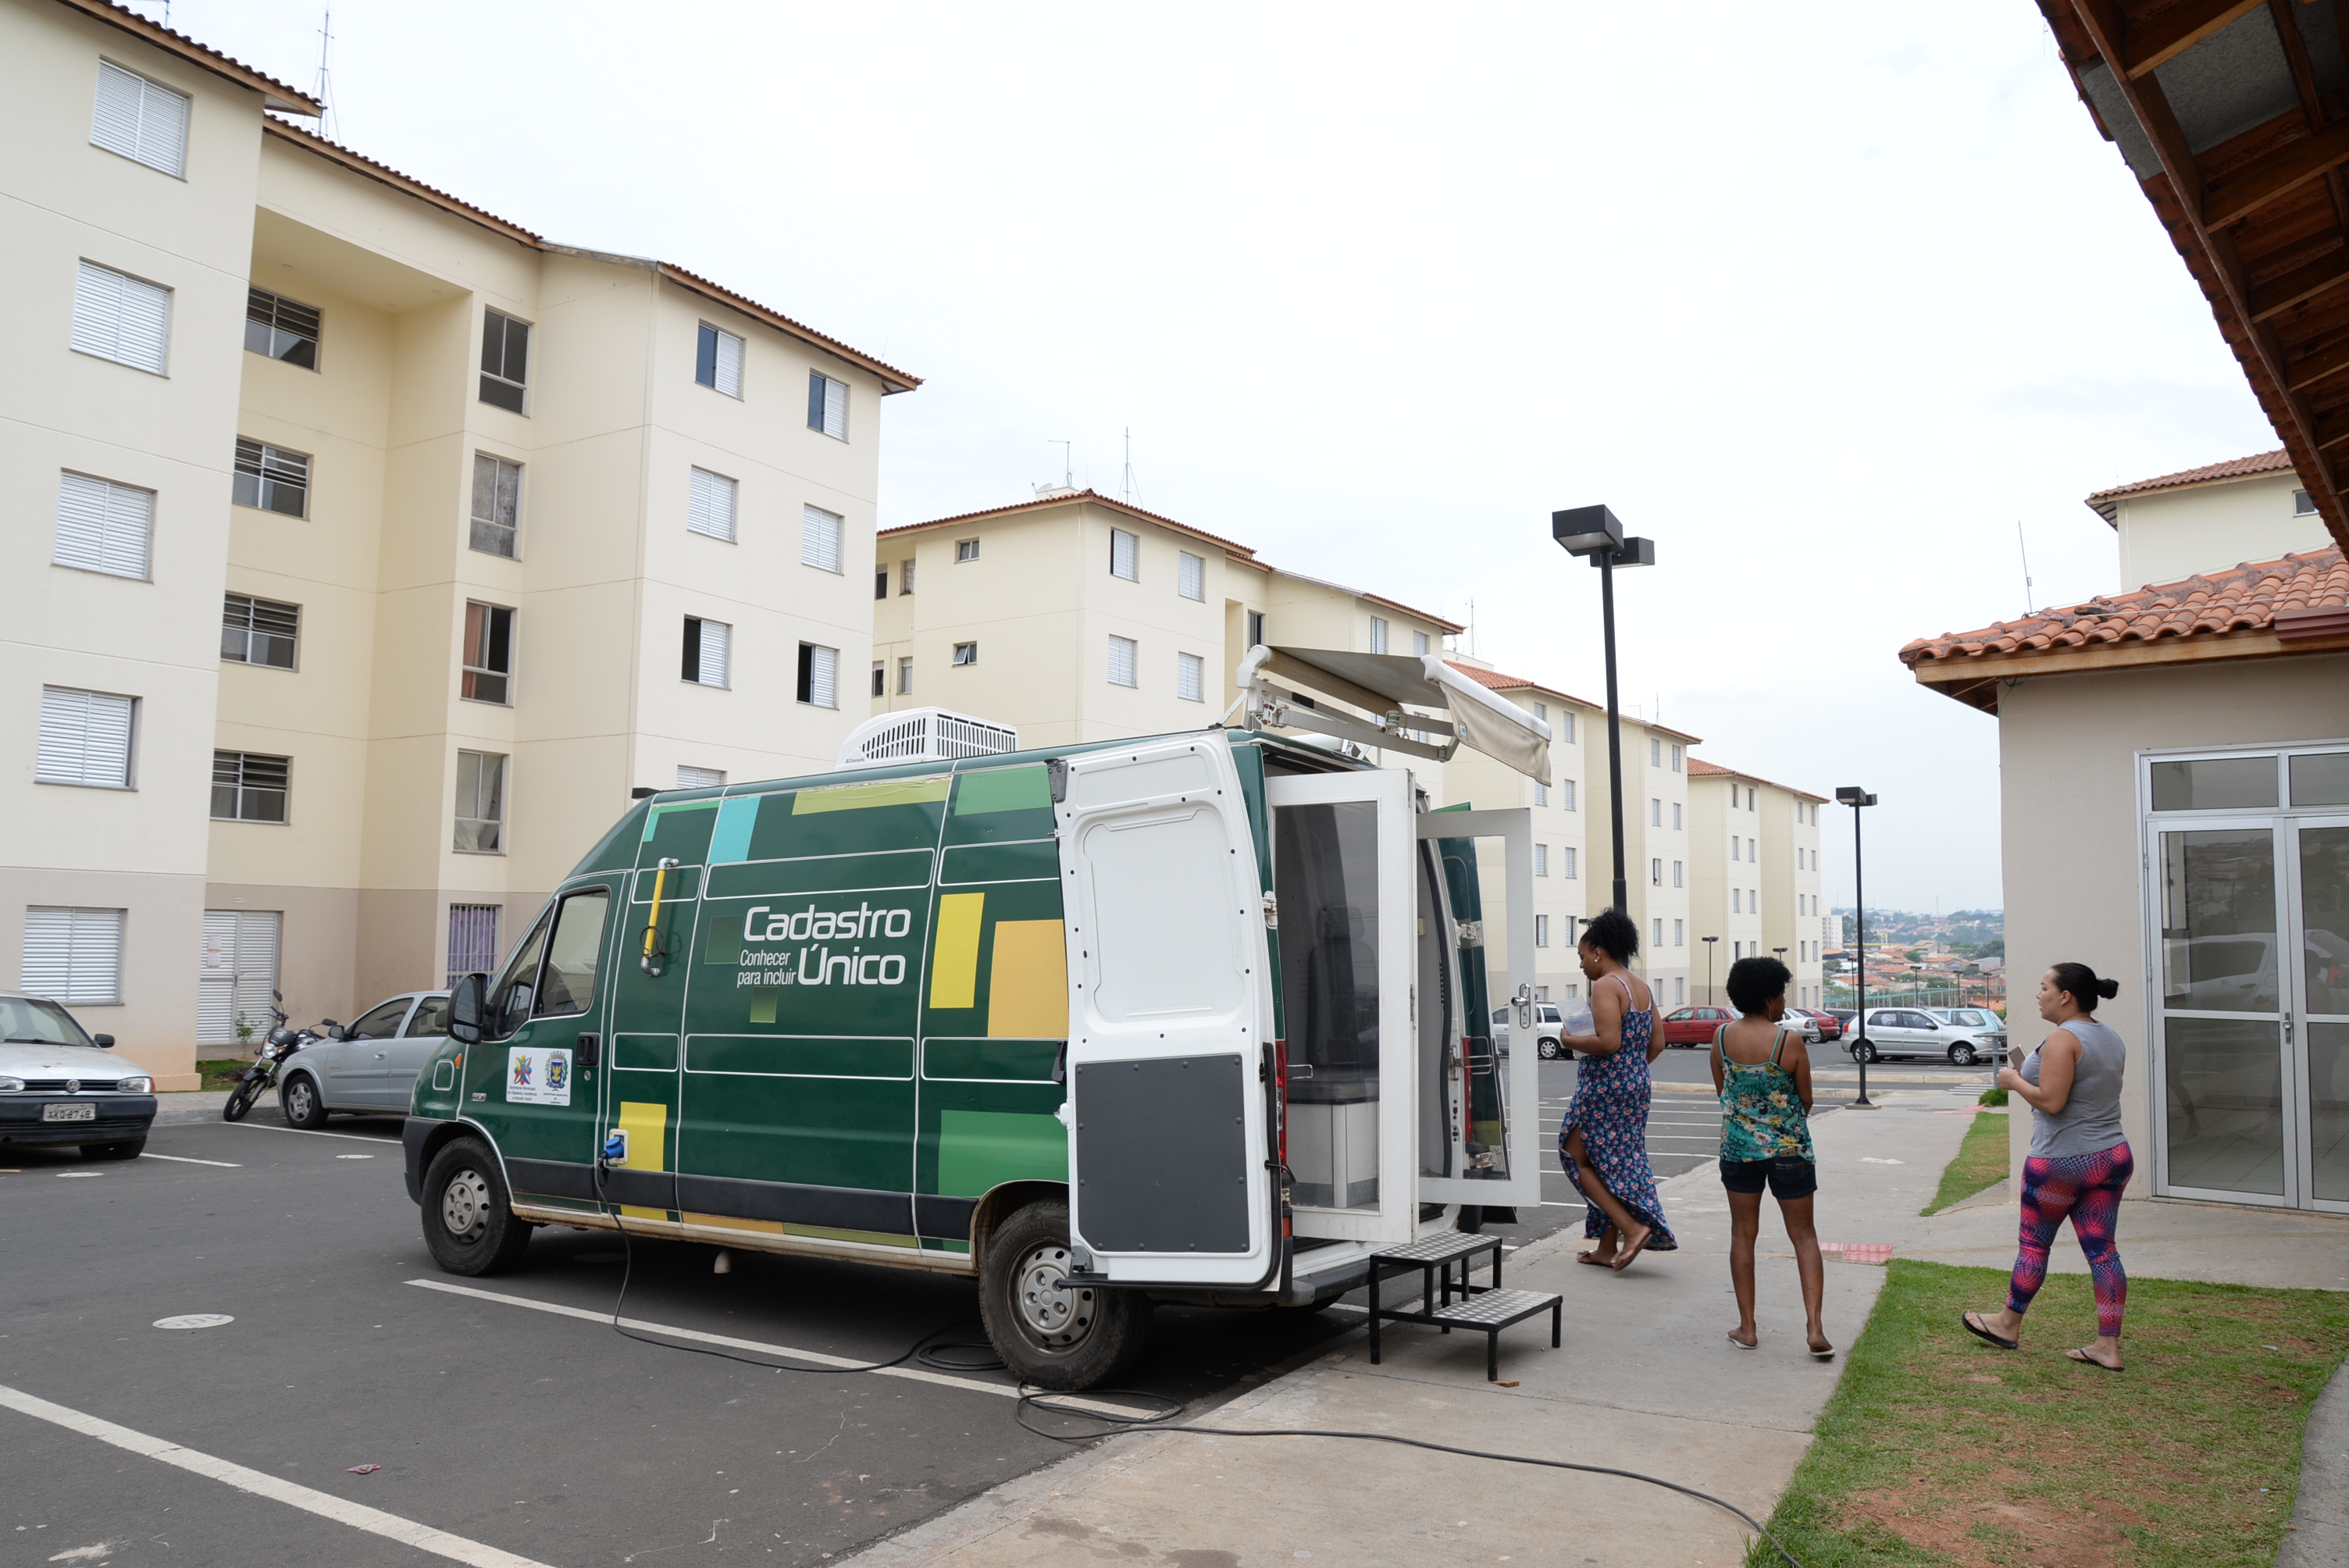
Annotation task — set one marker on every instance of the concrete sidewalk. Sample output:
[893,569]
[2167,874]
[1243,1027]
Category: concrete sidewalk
[1647,1381]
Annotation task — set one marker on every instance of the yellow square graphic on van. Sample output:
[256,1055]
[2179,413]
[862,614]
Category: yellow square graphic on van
[647,1129]
[954,958]
[1028,984]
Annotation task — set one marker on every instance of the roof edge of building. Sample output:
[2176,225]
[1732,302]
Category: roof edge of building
[275,94]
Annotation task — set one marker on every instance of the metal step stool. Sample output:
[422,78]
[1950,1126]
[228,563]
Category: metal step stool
[1486,1308]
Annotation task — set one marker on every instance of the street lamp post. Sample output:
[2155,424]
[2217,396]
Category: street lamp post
[1708,998]
[1595,534]
[1856,797]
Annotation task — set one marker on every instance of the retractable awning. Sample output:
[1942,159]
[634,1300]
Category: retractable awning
[1302,688]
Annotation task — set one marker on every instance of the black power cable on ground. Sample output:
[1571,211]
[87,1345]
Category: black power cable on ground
[924,1349]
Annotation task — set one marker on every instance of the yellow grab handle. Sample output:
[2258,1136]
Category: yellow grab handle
[652,926]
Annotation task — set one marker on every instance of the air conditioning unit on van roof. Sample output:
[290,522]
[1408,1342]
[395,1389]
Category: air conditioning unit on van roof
[924,735]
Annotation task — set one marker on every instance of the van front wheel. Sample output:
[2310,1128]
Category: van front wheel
[1051,1334]
[470,1224]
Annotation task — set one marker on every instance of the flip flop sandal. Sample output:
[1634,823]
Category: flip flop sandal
[2084,1359]
[1594,1260]
[1740,1343]
[1980,1333]
[1827,1354]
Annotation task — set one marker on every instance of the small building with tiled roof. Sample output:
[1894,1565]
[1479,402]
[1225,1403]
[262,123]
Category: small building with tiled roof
[2245,509]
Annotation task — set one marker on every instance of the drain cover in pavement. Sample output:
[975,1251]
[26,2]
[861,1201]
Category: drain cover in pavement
[195,1320]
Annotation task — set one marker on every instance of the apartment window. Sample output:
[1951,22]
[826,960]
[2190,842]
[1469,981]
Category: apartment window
[1676,815]
[85,738]
[270,479]
[1377,635]
[1676,873]
[1191,575]
[1191,678]
[1541,859]
[489,653]
[480,803]
[1680,989]
[1678,935]
[965,550]
[880,679]
[103,526]
[1541,930]
[1541,794]
[497,504]
[1122,662]
[1566,727]
[1566,793]
[1749,799]
[259,631]
[505,361]
[1676,759]
[965,653]
[1750,854]
[1565,860]
[819,676]
[1655,754]
[1655,814]
[281,328]
[2302,504]
[905,577]
[1256,628]
[880,582]
[1656,873]
[472,940]
[827,405]
[1657,938]
[710,505]
[1419,642]
[707,645]
[821,534]
[718,361]
[700,778]
[905,677]
[1125,556]
[122,318]
[249,788]
[1736,904]
[144,122]
[1735,845]
[74,955]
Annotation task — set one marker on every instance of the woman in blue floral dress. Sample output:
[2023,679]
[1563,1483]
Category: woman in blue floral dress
[1603,1142]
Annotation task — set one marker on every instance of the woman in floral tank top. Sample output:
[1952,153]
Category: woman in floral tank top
[1763,1072]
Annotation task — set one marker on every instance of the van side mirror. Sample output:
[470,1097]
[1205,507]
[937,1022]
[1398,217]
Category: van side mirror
[465,1004]
[104,1042]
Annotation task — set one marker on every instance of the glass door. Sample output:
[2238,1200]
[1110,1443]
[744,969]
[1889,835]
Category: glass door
[2227,1126]
[2320,907]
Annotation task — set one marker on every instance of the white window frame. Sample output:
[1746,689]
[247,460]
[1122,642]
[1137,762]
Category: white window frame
[153,109]
[965,655]
[690,778]
[1419,644]
[827,405]
[1568,803]
[503,794]
[824,539]
[712,500]
[1190,576]
[107,928]
[1378,633]
[1541,930]
[1190,678]
[249,631]
[104,526]
[1126,548]
[905,674]
[710,636]
[522,387]
[238,789]
[70,716]
[1566,858]
[272,469]
[966,550]
[1125,652]
[1541,859]
[726,366]
[510,533]
[103,299]
[816,682]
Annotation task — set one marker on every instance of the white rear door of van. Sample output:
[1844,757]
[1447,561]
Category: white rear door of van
[1170,1019]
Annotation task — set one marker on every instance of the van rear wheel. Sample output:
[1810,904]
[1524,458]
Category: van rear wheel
[1053,1335]
[470,1224]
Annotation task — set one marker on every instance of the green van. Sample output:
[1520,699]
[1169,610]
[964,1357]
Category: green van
[1193,1018]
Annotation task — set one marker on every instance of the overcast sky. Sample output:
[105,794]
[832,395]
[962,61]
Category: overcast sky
[1824,299]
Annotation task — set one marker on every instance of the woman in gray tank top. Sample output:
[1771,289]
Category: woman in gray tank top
[2078,1164]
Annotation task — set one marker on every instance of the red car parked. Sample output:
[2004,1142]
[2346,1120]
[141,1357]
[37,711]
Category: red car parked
[1830,1027]
[1693,1026]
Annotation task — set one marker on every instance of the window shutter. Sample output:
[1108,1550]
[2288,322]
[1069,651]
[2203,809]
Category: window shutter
[1194,577]
[115,124]
[1120,661]
[835,408]
[140,119]
[1190,678]
[709,506]
[119,317]
[730,364]
[717,637]
[1123,555]
[74,954]
[700,778]
[216,981]
[256,966]
[1567,856]
[84,737]
[823,676]
[1377,635]
[1541,859]
[103,526]
[820,538]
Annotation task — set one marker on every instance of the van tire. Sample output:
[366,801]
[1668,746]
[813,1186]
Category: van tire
[470,1226]
[304,1105]
[1053,1339]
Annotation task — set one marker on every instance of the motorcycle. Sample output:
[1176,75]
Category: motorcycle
[282,1043]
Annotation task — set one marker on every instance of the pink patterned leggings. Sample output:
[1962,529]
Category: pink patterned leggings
[2087,1189]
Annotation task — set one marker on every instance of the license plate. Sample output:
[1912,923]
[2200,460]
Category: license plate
[82,1112]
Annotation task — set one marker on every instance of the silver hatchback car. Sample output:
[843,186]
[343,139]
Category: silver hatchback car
[370,1068]
[1936,1032]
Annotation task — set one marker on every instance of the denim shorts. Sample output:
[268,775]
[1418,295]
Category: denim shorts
[1789,1176]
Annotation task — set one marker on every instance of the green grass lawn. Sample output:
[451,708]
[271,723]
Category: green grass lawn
[1938,1448]
[1980,1162]
[223,1074]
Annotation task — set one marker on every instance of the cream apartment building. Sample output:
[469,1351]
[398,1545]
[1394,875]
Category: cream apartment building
[384,547]
[1075,617]
[1756,878]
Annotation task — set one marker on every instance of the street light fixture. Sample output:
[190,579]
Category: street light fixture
[1853,796]
[1708,998]
[1596,534]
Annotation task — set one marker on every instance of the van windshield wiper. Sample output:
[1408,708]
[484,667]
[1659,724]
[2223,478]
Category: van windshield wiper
[29,1041]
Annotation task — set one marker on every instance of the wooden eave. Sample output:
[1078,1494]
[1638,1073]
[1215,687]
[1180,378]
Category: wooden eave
[2260,212]
[1975,680]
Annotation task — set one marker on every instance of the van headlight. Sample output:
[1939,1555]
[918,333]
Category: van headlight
[11,1086]
[139,1085]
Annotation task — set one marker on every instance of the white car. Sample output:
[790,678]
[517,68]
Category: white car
[1549,1028]
[61,1084]
[369,1068]
[1916,1032]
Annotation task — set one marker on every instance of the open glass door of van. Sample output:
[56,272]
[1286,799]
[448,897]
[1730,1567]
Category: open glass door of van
[1170,1023]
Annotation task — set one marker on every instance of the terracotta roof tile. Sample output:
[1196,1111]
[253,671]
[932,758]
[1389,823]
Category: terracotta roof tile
[2293,596]
[1700,768]
[1495,681]
[2277,461]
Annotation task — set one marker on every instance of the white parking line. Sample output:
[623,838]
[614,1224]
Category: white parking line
[917,1373]
[183,1160]
[358,1516]
[265,1127]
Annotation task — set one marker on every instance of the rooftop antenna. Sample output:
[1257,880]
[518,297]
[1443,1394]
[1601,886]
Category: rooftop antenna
[2019,544]
[1068,474]
[1472,629]
[329,124]
[1125,486]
